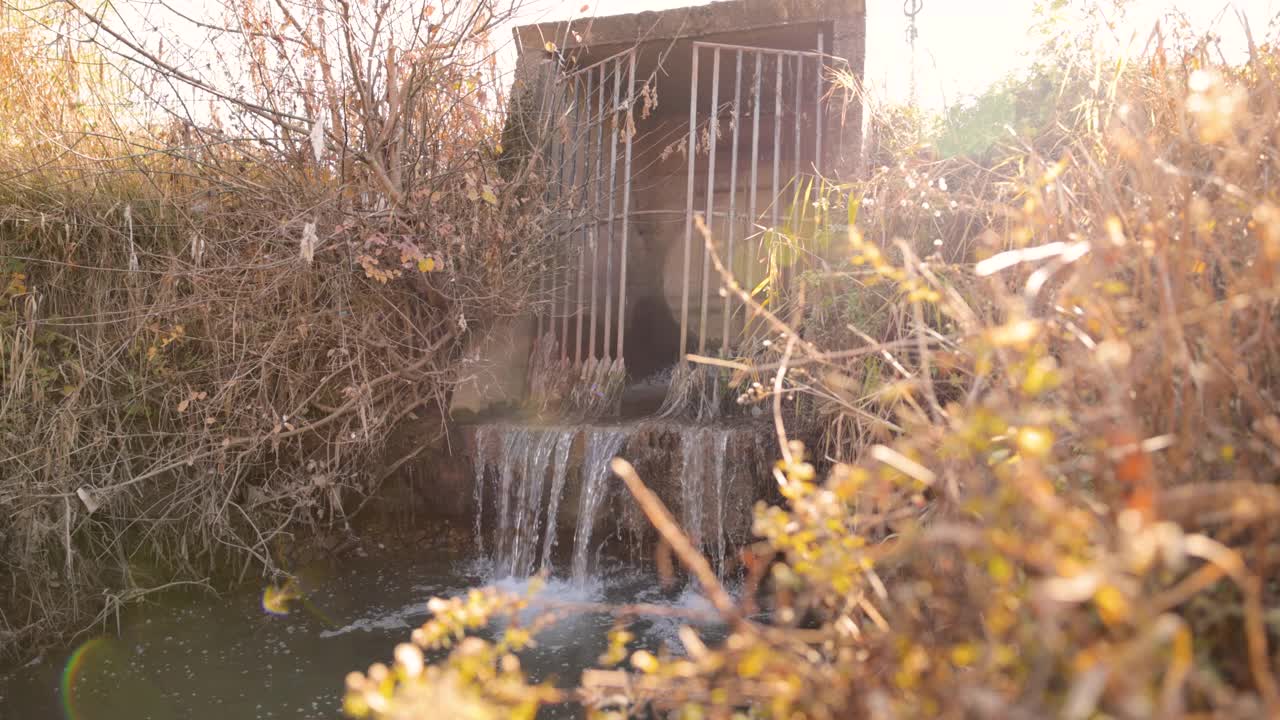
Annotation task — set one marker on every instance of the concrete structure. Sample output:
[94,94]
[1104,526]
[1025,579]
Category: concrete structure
[608,109]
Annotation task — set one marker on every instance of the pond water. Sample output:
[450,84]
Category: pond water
[200,655]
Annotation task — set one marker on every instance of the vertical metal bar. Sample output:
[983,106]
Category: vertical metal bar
[542,291]
[777,142]
[566,204]
[688,203]
[818,108]
[613,192]
[733,195]
[545,111]
[562,157]
[596,173]
[626,196]
[799,115]
[580,158]
[713,127]
[752,256]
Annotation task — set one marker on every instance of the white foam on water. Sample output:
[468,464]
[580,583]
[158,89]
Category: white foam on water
[398,619]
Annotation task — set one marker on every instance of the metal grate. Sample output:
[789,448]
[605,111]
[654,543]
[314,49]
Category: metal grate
[592,188]
[794,74]
[771,123]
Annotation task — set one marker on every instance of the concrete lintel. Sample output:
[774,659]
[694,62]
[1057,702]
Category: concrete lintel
[687,22]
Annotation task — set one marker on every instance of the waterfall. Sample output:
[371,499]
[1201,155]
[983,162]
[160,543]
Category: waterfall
[516,462]
[483,440]
[720,470]
[527,510]
[524,473]
[559,475]
[693,471]
[515,445]
[705,473]
[600,446]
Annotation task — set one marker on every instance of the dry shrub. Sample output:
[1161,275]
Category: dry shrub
[1054,492]
[215,309]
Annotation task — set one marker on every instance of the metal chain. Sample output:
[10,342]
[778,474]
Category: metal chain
[912,8]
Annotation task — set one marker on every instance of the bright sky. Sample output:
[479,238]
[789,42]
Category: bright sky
[964,46]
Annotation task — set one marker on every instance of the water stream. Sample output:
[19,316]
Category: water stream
[525,475]
[601,447]
[197,655]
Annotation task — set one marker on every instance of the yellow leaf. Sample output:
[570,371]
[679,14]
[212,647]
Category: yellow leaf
[1053,172]
[488,196]
[1112,605]
[644,661]
[1018,333]
[1034,442]
[999,569]
[427,264]
[964,655]
[1115,231]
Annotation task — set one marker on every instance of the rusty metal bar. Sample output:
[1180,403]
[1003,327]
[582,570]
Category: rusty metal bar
[580,131]
[755,177]
[568,158]
[713,130]
[688,217]
[777,144]
[754,48]
[799,116]
[626,196]
[584,70]
[733,195]
[546,110]
[595,177]
[544,104]
[818,108]
[613,193]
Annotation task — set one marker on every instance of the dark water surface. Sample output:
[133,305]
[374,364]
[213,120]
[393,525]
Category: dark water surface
[199,655]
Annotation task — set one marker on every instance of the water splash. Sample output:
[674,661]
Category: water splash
[599,447]
[525,474]
[511,463]
[720,471]
[706,475]
[515,462]
[559,476]
[693,471]
[484,438]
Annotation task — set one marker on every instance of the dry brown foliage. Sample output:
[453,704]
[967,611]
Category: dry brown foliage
[1053,434]
[228,268]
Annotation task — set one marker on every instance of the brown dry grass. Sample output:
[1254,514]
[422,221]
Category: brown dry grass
[210,322]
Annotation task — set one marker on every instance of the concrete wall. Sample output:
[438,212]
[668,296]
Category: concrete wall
[656,268]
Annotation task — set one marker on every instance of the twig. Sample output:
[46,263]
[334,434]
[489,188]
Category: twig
[661,519]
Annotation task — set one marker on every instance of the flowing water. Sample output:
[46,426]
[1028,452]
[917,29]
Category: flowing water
[203,657]
[197,655]
[526,474]
[601,447]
